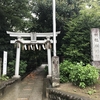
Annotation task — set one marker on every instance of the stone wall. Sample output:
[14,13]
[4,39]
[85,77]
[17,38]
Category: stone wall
[50,93]
[54,94]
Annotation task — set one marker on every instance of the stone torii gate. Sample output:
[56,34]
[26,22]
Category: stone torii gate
[31,44]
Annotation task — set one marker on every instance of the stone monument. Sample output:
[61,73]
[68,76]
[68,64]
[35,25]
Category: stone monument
[55,71]
[95,47]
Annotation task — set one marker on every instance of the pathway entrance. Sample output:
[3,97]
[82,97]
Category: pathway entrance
[30,88]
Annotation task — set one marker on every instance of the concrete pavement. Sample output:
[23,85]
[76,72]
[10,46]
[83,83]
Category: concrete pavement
[31,88]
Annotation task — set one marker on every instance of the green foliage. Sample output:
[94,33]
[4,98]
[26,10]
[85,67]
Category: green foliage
[46,69]
[82,85]
[4,78]
[22,69]
[34,58]
[65,69]
[15,15]
[75,44]
[91,91]
[78,73]
[11,67]
[43,11]
[84,74]
[63,79]
[12,13]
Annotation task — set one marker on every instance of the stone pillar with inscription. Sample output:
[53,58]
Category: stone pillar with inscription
[55,71]
[4,63]
[95,47]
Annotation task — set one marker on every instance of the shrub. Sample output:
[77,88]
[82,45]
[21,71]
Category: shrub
[63,79]
[11,67]
[4,78]
[86,75]
[46,69]
[65,69]
[79,74]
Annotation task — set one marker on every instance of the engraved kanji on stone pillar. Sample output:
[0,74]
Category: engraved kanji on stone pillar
[55,71]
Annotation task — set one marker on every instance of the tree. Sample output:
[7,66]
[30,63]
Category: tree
[13,13]
[76,44]
[43,11]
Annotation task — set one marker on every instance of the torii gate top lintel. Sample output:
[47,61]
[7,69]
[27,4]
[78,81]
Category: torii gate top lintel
[20,34]
[33,37]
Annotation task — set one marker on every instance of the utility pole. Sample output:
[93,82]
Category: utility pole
[54,27]
[55,58]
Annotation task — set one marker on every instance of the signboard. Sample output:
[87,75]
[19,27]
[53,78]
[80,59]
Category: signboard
[95,44]
[4,63]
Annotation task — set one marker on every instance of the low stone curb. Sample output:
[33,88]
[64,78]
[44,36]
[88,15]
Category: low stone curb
[5,84]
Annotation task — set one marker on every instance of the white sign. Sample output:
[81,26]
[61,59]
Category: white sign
[4,63]
[95,44]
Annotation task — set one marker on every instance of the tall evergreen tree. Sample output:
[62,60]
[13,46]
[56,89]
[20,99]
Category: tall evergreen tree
[12,16]
[12,13]
[76,44]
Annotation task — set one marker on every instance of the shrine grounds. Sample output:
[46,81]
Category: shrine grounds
[91,92]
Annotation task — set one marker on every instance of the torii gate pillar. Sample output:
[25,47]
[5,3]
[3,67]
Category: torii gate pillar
[49,62]
[17,61]
[49,57]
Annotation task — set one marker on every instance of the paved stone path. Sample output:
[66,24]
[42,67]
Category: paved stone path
[28,89]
